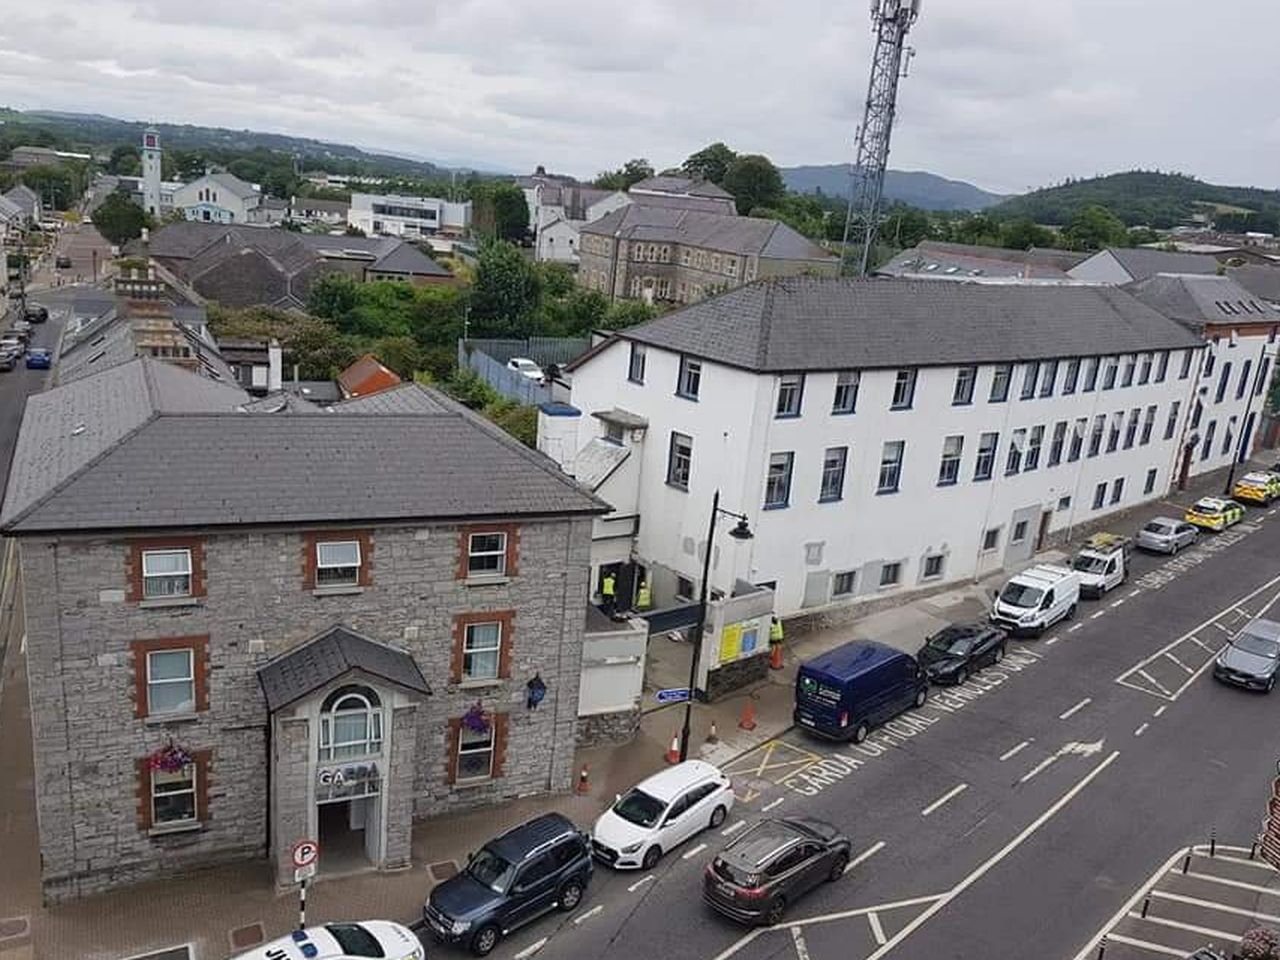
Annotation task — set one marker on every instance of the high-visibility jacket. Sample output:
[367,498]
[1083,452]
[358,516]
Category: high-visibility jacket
[775,632]
[607,587]
[644,596]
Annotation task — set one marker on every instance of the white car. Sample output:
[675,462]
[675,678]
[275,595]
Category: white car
[343,941]
[660,813]
[526,368]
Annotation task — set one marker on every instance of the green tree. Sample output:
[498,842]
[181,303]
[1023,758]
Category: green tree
[1094,227]
[710,163]
[402,354]
[55,185]
[627,313]
[1024,233]
[519,421]
[119,219]
[332,296]
[126,161]
[631,172]
[510,212]
[905,227]
[754,182]
[507,293]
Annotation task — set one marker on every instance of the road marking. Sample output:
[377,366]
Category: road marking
[949,795]
[877,931]
[1134,593]
[1260,864]
[798,939]
[530,950]
[1076,709]
[1051,641]
[1189,927]
[842,915]
[866,854]
[1222,627]
[1095,616]
[769,806]
[1116,603]
[1074,627]
[1160,710]
[733,828]
[1145,945]
[22,647]
[580,918]
[1179,662]
[690,854]
[1155,683]
[1238,884]
[1088,951]
[1042,765]
[1141,730]
[1214,905]
[639,883]
[1014,751]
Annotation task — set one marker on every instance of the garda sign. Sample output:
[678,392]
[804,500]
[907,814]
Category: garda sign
[672,695]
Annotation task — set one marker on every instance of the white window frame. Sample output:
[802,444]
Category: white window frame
[157,777]
[473,554]
[941,559]
[189,680]
[322,565]
[847,381]
[896,567]
[471,647]
[489,748]
[373,739]
[149,578]
[852,582]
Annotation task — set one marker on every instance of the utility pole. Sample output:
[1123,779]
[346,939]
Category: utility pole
[891,19]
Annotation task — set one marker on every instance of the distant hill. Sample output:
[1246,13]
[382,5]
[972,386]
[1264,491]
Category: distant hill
[1139,198]
[924,190]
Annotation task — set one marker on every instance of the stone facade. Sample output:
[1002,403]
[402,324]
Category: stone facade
[89,738]
[601,728]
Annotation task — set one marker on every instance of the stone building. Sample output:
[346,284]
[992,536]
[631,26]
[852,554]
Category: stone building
[246,628]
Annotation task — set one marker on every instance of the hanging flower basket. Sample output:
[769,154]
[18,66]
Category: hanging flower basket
[170,758]
[475,719]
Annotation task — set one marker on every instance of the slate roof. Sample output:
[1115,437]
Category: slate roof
[823,323]
[740,235]
[959,260]
[1198,300]
[596,462]
[111,338]
[230,182]
[723,205]
[1140,262]
[689,185]
[25,198]
[334,653]
[1261,281]
[404,398]
[321,206]
[9,210]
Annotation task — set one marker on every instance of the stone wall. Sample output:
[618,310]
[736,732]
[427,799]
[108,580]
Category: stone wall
[735,675]
[601,728]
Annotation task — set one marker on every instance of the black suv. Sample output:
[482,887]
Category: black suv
[512,880]
[36,313]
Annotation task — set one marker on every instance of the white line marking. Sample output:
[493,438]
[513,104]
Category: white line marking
[1179,662]
[1214,905]
[580,918]
[1116,603]
[798,939]
[1155,683]
[1260,864]
[1222,627]
[950,794]
[1088,951]
[690,854]
[866,854]
[639,883]
[1095,616]
[1189,927]
[769,806]
[1043,764]
[1074,627]
[733,828]
[1145,945]
[846,914]
[1076,709]
[877,931]
[1141,730]
[1238,884]
[530,950]
[22,647]
[1160,710]
[1134,593]
[1051,641]
[1014,751]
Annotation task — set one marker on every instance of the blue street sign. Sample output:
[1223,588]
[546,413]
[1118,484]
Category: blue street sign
[674,695]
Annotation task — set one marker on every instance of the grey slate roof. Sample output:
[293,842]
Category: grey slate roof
[958,260]
[9,211]
[741,235]
[596,462]
[1261,281]
[230,182]
[1199,300]
[723,205]
[404,398]
[324,658]
[25,198]
[317,205]
[1141,262]
[689,185]
[819,323]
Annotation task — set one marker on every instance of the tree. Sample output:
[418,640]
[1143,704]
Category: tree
[119,219]
[1094,227]
[754,182]
[627,313]
[55,185]
[126,161]
[632,172]
[510,212]
[332,296]
[1024,233]
[401,354]
[507,293]
[710,163]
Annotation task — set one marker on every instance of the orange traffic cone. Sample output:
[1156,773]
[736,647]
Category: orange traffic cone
[748,721]
[673,752]
[584,782]
[775,657]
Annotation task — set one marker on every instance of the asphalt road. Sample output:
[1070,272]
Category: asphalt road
[1007,819]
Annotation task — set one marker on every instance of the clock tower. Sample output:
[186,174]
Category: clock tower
[151,172]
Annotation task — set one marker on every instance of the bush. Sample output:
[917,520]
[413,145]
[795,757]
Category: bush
[1260,943]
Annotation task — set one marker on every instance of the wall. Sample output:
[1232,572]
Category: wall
[1102,267]
[512,385]
[1230,412]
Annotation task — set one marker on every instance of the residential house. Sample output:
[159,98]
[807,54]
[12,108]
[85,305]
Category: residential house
[366,376]
[1121,265]
[247,625]
[401,216]
[681,256]
[219,197]
[879,436]
[961,261]
[1239,330]
[25,157]
[328,213]
[27,201]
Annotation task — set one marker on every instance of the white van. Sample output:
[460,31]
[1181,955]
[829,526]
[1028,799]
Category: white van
[1036,599]
[1103,563]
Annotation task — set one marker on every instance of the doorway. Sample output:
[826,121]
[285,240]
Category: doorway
[1042,539]
[347,830]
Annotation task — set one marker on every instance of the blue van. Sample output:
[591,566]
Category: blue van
[845,692]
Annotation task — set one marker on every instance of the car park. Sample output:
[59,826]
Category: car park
[771,865]
[1258,487]
[342,941]
[956,651]
[843,693]
[39,359]
[1102,563]
[1214,513]
[526,368]
[1251,658]
[660,813]
[1166,535]
[536,867]
[1035,599]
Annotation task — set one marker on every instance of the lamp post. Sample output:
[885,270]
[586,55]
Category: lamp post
[1246,434]
[740,531]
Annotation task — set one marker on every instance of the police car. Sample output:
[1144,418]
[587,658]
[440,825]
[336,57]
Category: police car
[343,941]
[1257,487]
[1214,513]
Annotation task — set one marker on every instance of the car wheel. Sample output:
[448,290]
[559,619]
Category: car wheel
[922,695]
[485,940]
[860,733]
[837,868]
[999,654]
[651,857]
[570,894]
[717,816]
[777,910]
[1071,613]
[962,675]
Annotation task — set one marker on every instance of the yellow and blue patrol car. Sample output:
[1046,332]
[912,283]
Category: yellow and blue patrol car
[1214,513]
[1257,487]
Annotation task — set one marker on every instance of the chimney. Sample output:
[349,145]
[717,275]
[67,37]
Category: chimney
[275,367]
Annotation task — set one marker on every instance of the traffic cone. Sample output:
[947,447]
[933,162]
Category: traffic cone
[748,721]
[712,737]
[673,752]
[775,657]
[584,782]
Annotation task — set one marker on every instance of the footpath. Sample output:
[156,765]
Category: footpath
[220,911]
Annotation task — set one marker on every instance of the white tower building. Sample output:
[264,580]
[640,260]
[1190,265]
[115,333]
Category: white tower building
[151,172]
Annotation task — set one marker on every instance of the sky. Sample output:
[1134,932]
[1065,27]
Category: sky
[1007,94]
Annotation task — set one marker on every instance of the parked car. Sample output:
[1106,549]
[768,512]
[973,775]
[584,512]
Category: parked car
[1034,600]
[343,941]
[21,328]
[843,693]
[1103,564]
[12,343]
[1214,513]
[512,880]
[660,813]
[39,359]
[526,368]
[8,360]
[1252,656]
[1257,487]
[36,313]
[773,864]
[954,652]
[1166,535]
[62,262]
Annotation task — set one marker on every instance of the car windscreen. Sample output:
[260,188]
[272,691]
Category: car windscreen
[1090,564]
[1021,595]
[956,643]
[1262,646]
[355,940]
[493,871]
[636,806]
[1207,506]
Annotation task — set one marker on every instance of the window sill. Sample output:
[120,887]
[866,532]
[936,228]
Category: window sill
[156,603]
[489,581]
[480,684]
[830,499]
[165,830]
[889,586]
[473,782]
[843,413]
[962,403]
[786,416]
[687,396]
[886,493]
[635,381]
[904,407]
[776,506]
[161,719]
[683,488]
[948,483]
[337,591]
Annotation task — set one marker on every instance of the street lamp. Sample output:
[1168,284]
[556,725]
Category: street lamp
[1245,433]
[739,532]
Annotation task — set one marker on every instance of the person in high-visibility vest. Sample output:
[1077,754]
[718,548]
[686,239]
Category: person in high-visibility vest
[775,644]
[608,591]
[644,596]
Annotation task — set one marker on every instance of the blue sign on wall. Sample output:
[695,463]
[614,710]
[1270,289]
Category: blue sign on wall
[674,695]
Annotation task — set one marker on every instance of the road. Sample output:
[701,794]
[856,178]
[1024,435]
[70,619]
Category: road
[1009,818]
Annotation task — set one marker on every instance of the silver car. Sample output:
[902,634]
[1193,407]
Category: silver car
[1252,658]
[1166,535]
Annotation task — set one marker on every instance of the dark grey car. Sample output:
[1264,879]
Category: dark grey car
[1166,535]
[772,865]
[1252,657]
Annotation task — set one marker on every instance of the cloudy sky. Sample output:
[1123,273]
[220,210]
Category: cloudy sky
[1008,94]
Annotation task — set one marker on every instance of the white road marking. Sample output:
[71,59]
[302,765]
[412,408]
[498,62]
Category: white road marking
[1189,927]
[1116,603]
[1160,710]
[1146,945]
[580,918]
[1238,884]
[1141,730]
[798,939]
[1095,616]
[639,883]
[842,915]
[733,828]
[877,931]
[1259,864]
[866,854]
[1134,593]
[769,806]
[1076,709]
[1042,765]
[949,795]
[1214,905]
[1074,627]
[1051,641]
[1179,662]
[1222,627]
[530,950]
[1014,751]
[690,854]
[1155,683]
[22,647]
[1088,951]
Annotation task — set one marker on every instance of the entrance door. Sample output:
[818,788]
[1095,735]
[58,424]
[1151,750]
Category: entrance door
[1042,540]
[342,835]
